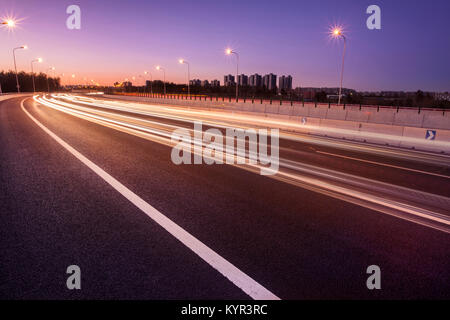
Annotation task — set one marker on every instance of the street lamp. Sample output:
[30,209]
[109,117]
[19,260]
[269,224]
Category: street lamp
[151,81]
[336,33]
[164,70]
[10,23]
[46,73]
[229,52]
[15,66]
[182,61]
[32,72]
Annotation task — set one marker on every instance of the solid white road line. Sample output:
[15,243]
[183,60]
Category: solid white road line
[232,273]
[384,164]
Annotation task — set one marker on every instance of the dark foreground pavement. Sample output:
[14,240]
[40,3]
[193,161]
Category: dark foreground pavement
[298,244]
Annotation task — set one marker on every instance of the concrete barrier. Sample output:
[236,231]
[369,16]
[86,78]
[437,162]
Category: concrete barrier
[408,117]
[384,126]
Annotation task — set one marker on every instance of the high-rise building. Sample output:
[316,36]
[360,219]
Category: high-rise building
[195,82]
[270,81]
[215,83]
[285,83]
[228,80]
[255,80]
[242,80]
[205,83]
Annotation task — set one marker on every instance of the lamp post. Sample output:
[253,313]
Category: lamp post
[182,61]
[15,66]
[337,32]
[164,70]
[32,72]
[151,81]
[46,73]
[9,23]
[229,52]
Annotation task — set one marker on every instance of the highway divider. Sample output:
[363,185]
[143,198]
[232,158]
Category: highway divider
[425,130]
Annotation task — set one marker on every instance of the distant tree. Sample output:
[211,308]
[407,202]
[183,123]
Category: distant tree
[321,96]
[8,82]
[419,96]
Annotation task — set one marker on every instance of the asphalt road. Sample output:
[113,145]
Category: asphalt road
[295,242]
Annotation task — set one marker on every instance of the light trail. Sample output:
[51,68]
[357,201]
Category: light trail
[384,164]
[211,118]
[236,276]
[378,195]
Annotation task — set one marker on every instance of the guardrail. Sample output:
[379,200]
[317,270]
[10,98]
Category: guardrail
[410,117]
[280,101]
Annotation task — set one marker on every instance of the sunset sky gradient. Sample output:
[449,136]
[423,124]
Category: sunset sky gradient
[122,39]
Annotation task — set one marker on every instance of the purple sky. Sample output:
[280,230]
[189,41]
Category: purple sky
[122,39]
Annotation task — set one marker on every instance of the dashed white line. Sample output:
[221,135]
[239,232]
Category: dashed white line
[384,164]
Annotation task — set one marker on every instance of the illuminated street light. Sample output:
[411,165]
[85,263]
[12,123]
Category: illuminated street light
[32,72]
[15,66]
[151,81]
[182,61]
[337,33]
[229,52]
[164,70]
[10,23]
[46,73]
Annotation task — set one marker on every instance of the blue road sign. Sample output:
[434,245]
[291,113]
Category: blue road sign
[431,135]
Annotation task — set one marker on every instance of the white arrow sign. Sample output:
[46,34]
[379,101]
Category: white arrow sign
[431,135]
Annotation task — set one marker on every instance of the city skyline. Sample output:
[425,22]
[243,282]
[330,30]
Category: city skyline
[399,57]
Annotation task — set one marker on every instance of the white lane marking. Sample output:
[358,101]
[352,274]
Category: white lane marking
[232,273]
[385,164]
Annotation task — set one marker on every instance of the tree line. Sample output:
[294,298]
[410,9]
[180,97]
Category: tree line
[221,91]
[8,82]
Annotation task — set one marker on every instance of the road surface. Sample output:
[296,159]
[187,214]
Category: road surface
[91,183]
